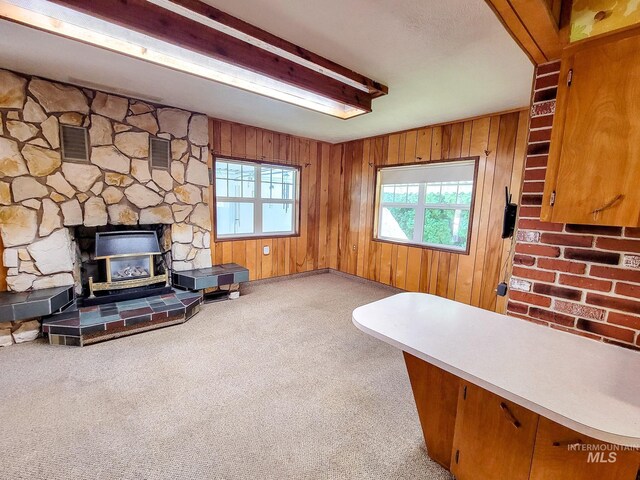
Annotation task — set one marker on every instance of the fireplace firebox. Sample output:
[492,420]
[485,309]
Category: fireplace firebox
[128,260]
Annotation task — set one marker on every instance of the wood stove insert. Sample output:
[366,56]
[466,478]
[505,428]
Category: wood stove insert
[129,260]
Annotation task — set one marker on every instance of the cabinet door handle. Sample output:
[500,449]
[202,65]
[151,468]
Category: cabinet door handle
[566,443]
[516,423]
[609,204]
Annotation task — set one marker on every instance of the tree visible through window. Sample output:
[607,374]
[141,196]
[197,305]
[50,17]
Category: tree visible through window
[427,204]
[255,199]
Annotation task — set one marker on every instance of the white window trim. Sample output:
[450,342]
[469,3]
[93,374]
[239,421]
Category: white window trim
[420,207]
[258,201]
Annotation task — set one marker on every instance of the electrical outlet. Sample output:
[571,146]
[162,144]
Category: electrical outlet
[266,250]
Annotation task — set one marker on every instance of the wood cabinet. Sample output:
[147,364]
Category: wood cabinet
[478,435]
[559,455]
[436,394]
[593,173]
[493,437]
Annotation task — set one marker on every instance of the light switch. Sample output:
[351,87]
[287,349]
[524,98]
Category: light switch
[266,250]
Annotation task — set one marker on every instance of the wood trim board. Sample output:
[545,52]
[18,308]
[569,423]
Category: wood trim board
[165,25]
[534,25]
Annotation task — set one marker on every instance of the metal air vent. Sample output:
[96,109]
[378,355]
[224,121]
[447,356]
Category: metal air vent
[75,143]
[160,152]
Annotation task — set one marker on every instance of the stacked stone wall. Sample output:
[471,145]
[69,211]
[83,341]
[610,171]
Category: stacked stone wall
[42,195]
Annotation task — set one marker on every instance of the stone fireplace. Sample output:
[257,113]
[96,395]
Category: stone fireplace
[44,198]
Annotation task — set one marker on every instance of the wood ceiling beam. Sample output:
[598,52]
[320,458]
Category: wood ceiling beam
[375,88]
[157,22]
[534,25]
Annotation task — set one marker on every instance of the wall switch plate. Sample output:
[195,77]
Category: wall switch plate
[266,249]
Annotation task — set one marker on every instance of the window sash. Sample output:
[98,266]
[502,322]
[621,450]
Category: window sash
[257,201]
[420,208]
[418,226]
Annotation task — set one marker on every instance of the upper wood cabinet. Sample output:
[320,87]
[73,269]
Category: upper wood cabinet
[593,174]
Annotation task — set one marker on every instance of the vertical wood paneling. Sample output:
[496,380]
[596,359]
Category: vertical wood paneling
[334,214]
[501,178]
[323,201]
[356,201]
[337,205]
[498,140]
[515,189]
[485,205]
[362,207]
[312,248]
[302,148]
[478,136]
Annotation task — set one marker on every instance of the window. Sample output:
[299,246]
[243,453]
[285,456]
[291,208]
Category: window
[427,204]
[255,199]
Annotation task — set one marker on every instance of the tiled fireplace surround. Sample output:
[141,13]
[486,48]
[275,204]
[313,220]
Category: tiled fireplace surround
[43,198]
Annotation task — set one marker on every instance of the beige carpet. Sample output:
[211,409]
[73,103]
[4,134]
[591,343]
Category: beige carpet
[278,384]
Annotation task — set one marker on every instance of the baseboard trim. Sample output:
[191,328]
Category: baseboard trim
[323,271]
[282,278]
[356,278]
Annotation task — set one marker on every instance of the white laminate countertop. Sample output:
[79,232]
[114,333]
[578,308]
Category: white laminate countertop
[585,385]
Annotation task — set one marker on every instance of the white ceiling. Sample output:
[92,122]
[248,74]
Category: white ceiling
[442,61]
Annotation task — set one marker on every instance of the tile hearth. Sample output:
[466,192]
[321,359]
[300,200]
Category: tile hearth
[216,276]
[37,303]
[88,325]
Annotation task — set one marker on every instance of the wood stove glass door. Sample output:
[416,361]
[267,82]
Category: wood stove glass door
[129,268]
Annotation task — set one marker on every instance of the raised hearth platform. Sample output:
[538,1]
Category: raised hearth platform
[216,276]
[15,306]
[88,325]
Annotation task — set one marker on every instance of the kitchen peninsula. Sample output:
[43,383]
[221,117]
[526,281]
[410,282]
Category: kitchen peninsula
[502,398]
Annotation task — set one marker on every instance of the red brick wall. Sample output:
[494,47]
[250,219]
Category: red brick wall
[578,278]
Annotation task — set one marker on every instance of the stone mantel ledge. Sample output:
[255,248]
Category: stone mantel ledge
[41,195]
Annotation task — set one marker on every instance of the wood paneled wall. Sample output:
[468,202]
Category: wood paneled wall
[309,251]
[499,141]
